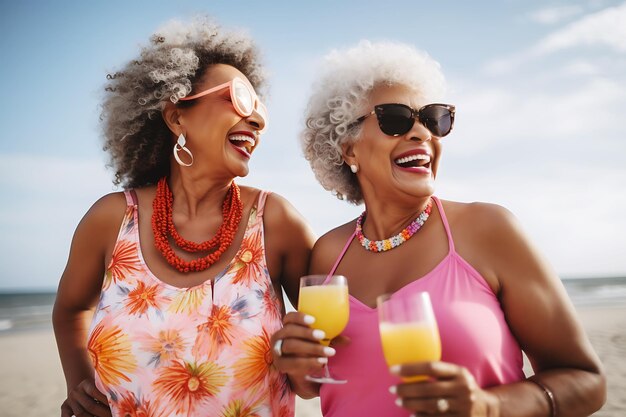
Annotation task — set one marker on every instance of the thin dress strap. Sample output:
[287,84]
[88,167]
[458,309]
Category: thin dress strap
[260,205]
[131,197]
[340,257]
[446,226]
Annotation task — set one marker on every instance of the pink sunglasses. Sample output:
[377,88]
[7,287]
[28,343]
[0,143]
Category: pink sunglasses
[243,97]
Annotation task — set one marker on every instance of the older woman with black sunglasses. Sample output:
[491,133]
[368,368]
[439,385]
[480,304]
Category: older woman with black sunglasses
[374,132]
[173,286]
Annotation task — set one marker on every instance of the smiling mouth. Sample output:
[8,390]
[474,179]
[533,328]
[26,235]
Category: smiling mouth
[413,161]
[243,141]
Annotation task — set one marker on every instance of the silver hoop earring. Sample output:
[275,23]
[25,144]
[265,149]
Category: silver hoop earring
[354,168]
[180,146]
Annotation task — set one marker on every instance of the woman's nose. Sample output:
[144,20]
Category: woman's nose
[419,132]
[257,119]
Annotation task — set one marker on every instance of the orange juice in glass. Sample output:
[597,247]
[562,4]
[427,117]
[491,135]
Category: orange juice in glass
[408,330]
[326,299]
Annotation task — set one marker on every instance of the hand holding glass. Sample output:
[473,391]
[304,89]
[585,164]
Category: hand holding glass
[327,301]
[408,330]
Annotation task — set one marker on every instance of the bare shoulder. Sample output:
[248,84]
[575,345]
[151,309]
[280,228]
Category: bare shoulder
[279,210]
[93,242]
[106,212]
[328,247]
[336,237]
[479,219]
[481,213]
[285,225]
[488,237]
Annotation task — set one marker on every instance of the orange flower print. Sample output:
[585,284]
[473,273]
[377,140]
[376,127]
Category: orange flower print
[186,386]
[284,410]
[129,406]
[281,397]
[253,367]
[270,303]
[188,300]
[123,262]
[166,347]
[142,297]
[239,408]
[221,328]
[248,263]
[110,353]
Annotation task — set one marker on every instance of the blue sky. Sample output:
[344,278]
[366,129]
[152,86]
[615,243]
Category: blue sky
[540,89]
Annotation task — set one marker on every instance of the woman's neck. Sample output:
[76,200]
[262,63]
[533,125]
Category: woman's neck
[196,195]
[387,218]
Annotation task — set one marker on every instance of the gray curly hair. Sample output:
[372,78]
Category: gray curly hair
[340,94]
[135,135]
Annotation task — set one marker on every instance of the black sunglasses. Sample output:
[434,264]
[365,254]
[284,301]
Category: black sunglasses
[395,119]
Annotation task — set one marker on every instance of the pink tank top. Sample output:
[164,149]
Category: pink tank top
[163,351]
[473,330]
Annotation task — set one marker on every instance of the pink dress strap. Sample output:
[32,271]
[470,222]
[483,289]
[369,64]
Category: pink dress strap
[340,257]
[446,226]
[131,198]
[260,206]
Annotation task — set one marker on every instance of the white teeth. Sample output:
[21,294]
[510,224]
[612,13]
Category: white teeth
[242,138]
[414,157]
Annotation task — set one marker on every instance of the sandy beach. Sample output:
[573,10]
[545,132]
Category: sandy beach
[32,380]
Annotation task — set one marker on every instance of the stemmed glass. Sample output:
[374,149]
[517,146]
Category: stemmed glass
[408,330]
[326,299]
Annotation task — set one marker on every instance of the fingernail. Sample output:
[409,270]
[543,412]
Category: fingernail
[309,319]
[322,360]
[395,369]
[399,402]
[319,334]
[328,351]
[393,389]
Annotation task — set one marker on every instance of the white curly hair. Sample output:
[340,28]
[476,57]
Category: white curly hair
[338,98]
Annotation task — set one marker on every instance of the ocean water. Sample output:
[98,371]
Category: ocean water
[596,291]
[33,310]
[26,310]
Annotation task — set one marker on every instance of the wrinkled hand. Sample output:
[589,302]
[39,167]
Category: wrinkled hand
[301,350]
[448,390]
[85,400]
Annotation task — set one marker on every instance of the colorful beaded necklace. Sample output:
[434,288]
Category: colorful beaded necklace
[394,241]
[163,227]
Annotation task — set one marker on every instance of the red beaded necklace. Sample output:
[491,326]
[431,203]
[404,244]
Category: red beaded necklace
[163,227]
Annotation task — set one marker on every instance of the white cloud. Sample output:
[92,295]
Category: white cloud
[552,15]
[488,117]
[604,28]
[580,67]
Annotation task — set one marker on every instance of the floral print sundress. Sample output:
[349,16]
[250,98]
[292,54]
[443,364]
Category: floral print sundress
[161,351]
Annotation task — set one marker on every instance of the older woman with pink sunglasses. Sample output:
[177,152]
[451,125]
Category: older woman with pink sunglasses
[375,126]
[173,286]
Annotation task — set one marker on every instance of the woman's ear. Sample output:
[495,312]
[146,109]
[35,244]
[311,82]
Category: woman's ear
[347,151]
[172,117]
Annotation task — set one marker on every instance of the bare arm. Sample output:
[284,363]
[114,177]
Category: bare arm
[289,240]
[78,293]
[544,322]
[539,315]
